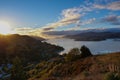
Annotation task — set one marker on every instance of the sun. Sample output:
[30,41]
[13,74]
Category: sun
[5,27]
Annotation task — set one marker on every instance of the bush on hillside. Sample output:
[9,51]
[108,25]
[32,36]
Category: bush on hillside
[85,52]
[73,54]
[76,53]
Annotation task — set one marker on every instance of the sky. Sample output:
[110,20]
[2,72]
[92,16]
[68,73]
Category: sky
[43,17]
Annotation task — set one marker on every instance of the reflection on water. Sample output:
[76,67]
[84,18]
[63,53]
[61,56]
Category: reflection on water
[96,47]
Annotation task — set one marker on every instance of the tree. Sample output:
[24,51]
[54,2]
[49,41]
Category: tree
[85,52]
[17,71]
[74,51]
[74,54]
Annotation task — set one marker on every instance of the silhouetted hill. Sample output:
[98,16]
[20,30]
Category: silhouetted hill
[27,48]
[94,36]
[38,38]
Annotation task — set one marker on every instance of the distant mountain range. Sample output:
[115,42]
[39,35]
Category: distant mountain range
[95,34]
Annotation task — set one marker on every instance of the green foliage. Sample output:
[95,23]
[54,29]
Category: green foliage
[74,54]
[74,51]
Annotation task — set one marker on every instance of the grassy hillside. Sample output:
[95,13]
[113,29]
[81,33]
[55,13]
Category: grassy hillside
[90,68]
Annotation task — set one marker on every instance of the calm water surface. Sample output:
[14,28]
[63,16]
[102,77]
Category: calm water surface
[96,47]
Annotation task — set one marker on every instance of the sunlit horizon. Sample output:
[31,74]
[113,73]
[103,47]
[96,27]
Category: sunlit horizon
[5,28]
[48,18]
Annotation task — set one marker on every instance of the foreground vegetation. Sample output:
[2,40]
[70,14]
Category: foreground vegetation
[26,58]
[99,67]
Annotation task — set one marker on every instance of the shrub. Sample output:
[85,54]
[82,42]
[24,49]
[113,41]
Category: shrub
[74,54]
[85,52]
[112,76]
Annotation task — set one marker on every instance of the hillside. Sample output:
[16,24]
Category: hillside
[27,58]
[27,48]
[94,36]
[90,68]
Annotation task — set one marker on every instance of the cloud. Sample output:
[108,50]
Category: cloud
[112,19]
[74,16]
[36,32]
[99,6]
[68,16]
[114,6]
[110,6]
[29,31]
[47,29]
[62,33]
[89,21]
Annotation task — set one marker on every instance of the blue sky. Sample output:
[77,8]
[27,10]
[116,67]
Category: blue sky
[40,16]
[30,12]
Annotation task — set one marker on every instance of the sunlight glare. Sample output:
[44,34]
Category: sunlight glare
[5,27]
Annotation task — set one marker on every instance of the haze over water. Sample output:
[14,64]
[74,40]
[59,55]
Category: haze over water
[96,47]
